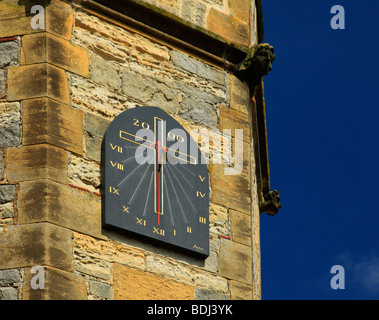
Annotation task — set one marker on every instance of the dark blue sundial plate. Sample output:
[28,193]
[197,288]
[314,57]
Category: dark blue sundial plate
[156,182]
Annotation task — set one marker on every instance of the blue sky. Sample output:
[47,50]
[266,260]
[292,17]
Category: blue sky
[322,118]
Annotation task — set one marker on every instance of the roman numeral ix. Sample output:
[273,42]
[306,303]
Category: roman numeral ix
[114,190]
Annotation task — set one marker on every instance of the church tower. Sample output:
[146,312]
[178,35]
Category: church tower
[83,84]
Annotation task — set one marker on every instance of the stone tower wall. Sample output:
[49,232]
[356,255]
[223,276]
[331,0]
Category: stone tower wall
[60,87]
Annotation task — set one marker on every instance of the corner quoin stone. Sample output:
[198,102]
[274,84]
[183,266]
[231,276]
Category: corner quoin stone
[228,27]
[48,121]
[45,47]
[240,9]
[60,19]
[233,120]
[45,200]
[59,285]
[37,162]
[235,261]
[35,244]
[38,80]
[232,191]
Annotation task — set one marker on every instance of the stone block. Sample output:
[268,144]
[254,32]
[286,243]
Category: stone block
[39,80]
[235,261]
[49,201]
[96,126]
[101,290]
[137,86]
[240,9]
[9,55]
[35,244]
[122,44]
[160,265]
[6,210]
[241,227]
[95,267]
[232,191]
[210,263]
[2,83]
[240,291]
[10,277]
[209,281]
[1,166]
[198,106]
[239,95]
[59,19]
[107,251]
[37,162]
[89,96]
[8,293]
[218,220]
[198,111]
[197,67]
[48,121]
[84,173]
[194,11]
[228,27]
[11,8]
[233,120]
[59,285]
[45,47]
[149,90]
[205,294]
[7,193]
[133,284]
[104,72]
[16,26]
[172,6]
[242,148]
[10,130]
[93,148]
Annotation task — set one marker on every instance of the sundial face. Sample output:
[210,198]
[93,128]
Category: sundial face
[156,181]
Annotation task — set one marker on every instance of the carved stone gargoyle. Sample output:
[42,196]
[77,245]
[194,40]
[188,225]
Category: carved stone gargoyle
[271,203]
[257,64]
